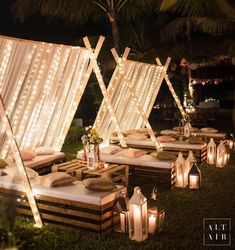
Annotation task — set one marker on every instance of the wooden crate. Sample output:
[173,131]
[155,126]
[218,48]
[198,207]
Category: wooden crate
[67,213]
[152,176]
[118,173]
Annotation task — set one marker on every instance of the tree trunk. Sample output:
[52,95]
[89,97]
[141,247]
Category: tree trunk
[115,32]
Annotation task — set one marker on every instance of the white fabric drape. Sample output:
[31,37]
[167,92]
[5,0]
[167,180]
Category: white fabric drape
[145,79]
[41,85]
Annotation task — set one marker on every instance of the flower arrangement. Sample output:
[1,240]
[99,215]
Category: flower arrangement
[91,137]
[186,118]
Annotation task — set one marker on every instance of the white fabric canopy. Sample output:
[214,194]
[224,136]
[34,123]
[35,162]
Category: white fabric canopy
[41,85]
[146,79]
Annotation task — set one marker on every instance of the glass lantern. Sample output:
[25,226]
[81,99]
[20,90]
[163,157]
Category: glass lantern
[92,156]
[211,152]
[156,214]
[230,142]
[194,177]
[188,164]
[220,157]
[187,129]
[121,213]
[181,181]
[138,226]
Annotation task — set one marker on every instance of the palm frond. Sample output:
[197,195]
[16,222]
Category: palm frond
[182,26]
[192,7]
[213,26]
[134,8]
[72,11]
[166,5]
[173,29]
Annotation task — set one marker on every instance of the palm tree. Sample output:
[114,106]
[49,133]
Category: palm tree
[210,17]
[80,11]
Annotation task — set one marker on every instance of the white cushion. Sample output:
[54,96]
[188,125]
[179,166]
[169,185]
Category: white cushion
[131,153]
[44,150]
[14,173]
[209,130]
[110,150]
[168,132]
[137,136]
[56,179]
[27,154]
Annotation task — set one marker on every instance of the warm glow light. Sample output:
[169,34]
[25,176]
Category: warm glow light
[152,223]
[193,182]
[20,165]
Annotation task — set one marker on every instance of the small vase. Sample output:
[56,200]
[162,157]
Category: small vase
[92,156]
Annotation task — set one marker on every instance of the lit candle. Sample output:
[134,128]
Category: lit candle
[180,180]
[122,222]
[137,224]
[106,165]
[230,144]
[193,182]
[152,224]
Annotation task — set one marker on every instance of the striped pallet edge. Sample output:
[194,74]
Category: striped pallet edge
[152,176]
[66,213]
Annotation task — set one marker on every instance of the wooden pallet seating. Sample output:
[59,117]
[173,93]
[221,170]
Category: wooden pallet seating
[118,173]
[199,150]
[150,172]
[68,206]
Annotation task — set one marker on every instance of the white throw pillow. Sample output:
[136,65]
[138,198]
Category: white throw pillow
[27,154]
[44,150]
[147,158]
[209,130]
[132,153]
[110,150]
[137,136]
[14,173]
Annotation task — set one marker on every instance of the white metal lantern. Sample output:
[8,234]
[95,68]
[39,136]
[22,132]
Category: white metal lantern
[156,214]
[181,176]
[121,213]
[211,152]
[220,157]
[194,177]
[188,164]
[138,226]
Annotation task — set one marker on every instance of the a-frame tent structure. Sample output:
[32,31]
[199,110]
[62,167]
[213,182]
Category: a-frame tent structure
[41,86]
[133,90]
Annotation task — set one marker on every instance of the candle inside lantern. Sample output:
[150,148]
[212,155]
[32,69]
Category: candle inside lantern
[180,181]
[230,144]
[106,165]
[137,223]
[122,222]
[193,182]
[152,224]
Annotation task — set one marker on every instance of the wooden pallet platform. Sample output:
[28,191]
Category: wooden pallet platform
[154,177]
[118,173]
[67,213]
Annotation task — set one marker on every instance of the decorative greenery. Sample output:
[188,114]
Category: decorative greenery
[91,137]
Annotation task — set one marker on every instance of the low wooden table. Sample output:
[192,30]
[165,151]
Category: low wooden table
[78,168]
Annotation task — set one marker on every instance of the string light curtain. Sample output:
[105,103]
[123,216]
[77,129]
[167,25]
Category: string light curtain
[41,85]
[145,79]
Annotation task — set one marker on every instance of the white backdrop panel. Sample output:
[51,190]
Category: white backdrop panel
[41,85]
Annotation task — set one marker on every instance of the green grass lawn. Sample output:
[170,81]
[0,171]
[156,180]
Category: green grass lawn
[185,210]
